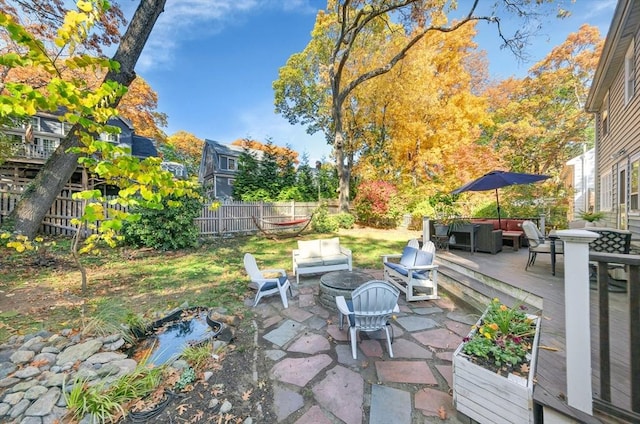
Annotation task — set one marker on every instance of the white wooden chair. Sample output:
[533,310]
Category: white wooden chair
[369,309]
[267,285]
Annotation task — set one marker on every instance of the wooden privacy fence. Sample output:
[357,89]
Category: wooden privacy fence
[228,218]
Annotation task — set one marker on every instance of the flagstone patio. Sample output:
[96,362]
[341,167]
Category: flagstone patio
[316,380]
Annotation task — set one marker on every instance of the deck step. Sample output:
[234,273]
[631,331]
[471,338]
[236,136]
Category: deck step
[476,289]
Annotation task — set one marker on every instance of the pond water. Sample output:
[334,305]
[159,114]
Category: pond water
[168,338]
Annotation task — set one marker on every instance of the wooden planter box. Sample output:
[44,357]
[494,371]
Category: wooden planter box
[487,397]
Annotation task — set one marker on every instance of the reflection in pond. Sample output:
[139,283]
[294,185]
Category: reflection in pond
[166,342]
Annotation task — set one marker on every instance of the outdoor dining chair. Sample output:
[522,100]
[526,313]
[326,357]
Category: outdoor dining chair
[538,243]
[266,282]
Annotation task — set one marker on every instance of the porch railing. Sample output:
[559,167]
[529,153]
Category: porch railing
[625,363]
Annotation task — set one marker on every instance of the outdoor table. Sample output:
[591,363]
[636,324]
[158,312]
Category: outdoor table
[514,236]
[340,283]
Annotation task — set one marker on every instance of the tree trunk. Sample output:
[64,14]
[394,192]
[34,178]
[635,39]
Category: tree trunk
[43,190]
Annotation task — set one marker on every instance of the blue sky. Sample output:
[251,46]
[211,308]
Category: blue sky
[213,62]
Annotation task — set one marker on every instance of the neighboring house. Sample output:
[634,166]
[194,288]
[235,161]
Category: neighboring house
[218,168]
[36,140]
[578,176]
[615,101]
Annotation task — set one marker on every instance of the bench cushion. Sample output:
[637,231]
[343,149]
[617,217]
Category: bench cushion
[307,262]
[330,247]
[335,259]
[309,249]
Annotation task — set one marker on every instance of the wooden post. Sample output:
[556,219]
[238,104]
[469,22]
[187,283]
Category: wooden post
[577,317]
[426,236]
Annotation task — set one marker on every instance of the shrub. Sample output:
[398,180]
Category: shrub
[418,212]
[170,228]
[344,220]
[322,222]
[377,204]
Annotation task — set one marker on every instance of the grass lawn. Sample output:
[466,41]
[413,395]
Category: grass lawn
[125,283]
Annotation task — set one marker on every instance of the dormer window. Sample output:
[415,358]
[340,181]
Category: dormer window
[227,163]
[109,137]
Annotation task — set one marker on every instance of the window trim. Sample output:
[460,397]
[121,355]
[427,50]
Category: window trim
[634,161]
[629,73]
[604,115]
[227,159]
[606,191]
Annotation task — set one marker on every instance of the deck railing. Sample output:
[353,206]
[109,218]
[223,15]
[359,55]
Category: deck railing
[629,364]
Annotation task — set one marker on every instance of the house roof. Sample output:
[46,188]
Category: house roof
[143,147]
[229,149]
[624,26]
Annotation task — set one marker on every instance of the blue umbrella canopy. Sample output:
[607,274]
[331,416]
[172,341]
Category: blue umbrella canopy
[496,179]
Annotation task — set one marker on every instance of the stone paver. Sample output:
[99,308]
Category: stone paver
[407,349]
[446,371]
[310,344]
[438,339]
[314,416]
[342,393]
[285,402]
[299,371]
[435,403]
[389,405]
[297,314]
[285,332]
[405,372]
[416,323]
[461,329]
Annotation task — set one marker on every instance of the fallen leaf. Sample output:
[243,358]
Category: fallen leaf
[442,413]
[182,408]
[524,368]
[197,416]
[247,395]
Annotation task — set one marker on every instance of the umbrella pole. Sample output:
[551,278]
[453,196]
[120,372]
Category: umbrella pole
[498,204]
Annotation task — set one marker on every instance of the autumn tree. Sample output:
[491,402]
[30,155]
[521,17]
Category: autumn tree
[37,199]
[185,148]
[316,85]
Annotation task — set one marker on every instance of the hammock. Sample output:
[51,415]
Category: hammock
[282,229]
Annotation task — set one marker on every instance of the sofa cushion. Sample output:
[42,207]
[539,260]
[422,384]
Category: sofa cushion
[309,249]
[306,262]
[514,225]
[408,258]
[398,268]
[330,247]
[423,258]
[335,259]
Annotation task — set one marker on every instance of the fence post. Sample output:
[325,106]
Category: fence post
[577,317]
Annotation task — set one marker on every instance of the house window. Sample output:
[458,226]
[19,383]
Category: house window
[47,145]
[227,163]
[629,73]
[606,191]
[604,115]
[634,186]
[109,137]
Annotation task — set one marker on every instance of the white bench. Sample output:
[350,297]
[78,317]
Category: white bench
[319,256]
[414,273]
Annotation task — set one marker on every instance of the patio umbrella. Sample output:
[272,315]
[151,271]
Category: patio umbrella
[496,179]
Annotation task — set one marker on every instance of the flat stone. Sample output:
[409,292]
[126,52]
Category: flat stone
[429,310]
[417,372]
[341,392]
[457,327]
[432,402]
[320,311]
[416,323]
[297,314]
[445,356]
[438,339]
[314,416]
[6,368]
[56,380]
[306,300]
[113,346]
[45,358]
[56,416]
[8,381]
[4,409]
[463,317]
[285,332]
[446,371]
[316,323]
[86,374]
[35,392]
[19,408]
[337,334]
[445,303]
[344,355]
[31,420]
[271,321]
[13,398]
[310,344]
[79,352]
[274,354]
[44,404]
[104,357]
[27,372]
[300,371]
[286,402]
[22,356]
[23,386]
[127,366]
[371,348]
[407,349]
[389,405]
[28,345]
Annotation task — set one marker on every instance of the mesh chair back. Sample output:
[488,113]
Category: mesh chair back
[373,304]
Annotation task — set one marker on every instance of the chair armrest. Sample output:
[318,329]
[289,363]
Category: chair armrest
[341,303]
[345,251]
[393,256]
[422,267]
[296,252]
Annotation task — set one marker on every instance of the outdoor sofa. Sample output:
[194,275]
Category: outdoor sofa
[320,256]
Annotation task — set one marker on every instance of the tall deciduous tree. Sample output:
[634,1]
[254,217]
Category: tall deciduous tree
[38,198]
[316,85]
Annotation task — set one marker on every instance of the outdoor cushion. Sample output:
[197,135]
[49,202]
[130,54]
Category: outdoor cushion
[330,247]
[270,285]
[423,258]
[309,248]
[334,259]
[402,270]
[408,258]
[307,262]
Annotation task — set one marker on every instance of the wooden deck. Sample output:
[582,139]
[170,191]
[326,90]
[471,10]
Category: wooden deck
[551,388]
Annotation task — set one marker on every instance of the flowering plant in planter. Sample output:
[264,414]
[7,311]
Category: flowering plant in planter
[503,339]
